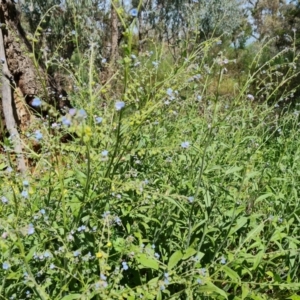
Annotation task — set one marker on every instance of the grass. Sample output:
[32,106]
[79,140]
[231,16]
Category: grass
[186,192]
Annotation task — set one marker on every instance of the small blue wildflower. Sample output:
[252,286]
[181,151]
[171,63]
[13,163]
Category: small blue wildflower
[104,60]
[106,214]
[26,183]
[169,92]
[30,229]
[199,98]
[81,228]
[47,254]
[82,113]
[203,271]
[76,253]
[162,287]
[125,266]
[103,277]
[98,120]
[66,121]
[156,255]
[118,221]
[42,211]
[223,260]
[36,102]
[52,266]
[191,199]
[73,32]
[4,200]
[24,194]
[153,246]
[185,145]
[133,56]
[38,135]
[197,76]
[134,12]
[104,153]
[5,265]
[9,170]
[119,105]
[155,64]
[199,281]
[72,111]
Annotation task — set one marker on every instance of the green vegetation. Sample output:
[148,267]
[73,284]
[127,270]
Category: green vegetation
[176,179]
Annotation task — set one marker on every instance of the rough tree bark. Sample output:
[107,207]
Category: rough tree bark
[26,77]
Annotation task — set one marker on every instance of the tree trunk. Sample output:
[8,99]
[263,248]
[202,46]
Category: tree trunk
[22,75]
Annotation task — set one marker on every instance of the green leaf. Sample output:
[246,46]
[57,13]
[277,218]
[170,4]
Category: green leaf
[147,262]
[233,170]
[245,291]
[30,254]
[232,274]
[262,197]
[174,259]
[240,223]
[176,203]
[254,232]
[258,259]
[72,296]
[211,288]
[188,253]
[294,297]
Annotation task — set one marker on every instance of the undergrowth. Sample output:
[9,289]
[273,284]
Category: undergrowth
[167,188]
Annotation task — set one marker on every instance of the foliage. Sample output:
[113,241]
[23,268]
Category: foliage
[167,187]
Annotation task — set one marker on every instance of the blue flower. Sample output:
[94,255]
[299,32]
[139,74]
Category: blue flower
[30,229]
[191,199]
[119,105]
[185,145]
[103,277]
[81,228]
[104,153]
[72,111]
[36,102]
[118,221]
[24,194]
[134,12]
[76,253]
[82,113]
[38,135]
[26,183]
[169,92]
[98,120]
[156,255]
[52,266]
[5,265]
[47,254]
[4,200]
[66,121]
[42,211]
[124,265]
[199,281]
[73,32]
[223,260]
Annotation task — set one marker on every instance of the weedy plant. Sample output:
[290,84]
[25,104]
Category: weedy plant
[166,188]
